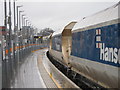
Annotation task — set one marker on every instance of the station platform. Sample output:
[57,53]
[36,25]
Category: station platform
[32,73]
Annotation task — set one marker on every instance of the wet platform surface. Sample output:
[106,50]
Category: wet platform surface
[32,73]
[44,74]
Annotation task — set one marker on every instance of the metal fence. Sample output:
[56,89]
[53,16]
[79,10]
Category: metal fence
[11,65]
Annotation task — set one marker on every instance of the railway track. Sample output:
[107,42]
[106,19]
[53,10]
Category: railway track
[81,81]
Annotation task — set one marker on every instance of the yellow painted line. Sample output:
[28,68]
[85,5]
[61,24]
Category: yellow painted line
[39,49]
[50,74]
[56,82]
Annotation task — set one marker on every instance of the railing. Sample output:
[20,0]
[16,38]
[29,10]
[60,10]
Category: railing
[10,66]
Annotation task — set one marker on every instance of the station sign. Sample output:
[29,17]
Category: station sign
[37,37]
[3,30]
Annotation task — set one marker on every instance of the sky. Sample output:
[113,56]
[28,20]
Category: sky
[56,14]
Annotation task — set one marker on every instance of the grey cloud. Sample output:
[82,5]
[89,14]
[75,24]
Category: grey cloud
[57,14]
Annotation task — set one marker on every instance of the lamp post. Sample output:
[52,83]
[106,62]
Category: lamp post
[4,63]
[27,29]
[17,16]
[17,35]
[17,42]
[23,20]
[20,35]
[17,31]
[14,5]
[14,59]
[27,35]
[9,44]
[22,41]
[23,28]
[20,19]
[26,22]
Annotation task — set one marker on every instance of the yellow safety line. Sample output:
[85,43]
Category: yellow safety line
[53,79]
[39,49]
[50,74]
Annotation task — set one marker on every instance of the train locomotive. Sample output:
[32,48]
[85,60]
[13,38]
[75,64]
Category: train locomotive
[91,47]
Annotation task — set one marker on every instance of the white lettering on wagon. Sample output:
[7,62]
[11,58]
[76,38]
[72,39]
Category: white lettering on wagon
[106,53]
[110,54]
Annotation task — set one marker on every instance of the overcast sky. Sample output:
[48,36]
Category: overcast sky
[56,15]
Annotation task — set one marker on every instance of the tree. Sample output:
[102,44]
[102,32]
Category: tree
[46,32]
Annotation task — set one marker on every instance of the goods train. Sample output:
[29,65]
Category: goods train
[91,47]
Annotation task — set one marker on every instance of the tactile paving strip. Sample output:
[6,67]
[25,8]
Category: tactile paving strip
[45,76]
